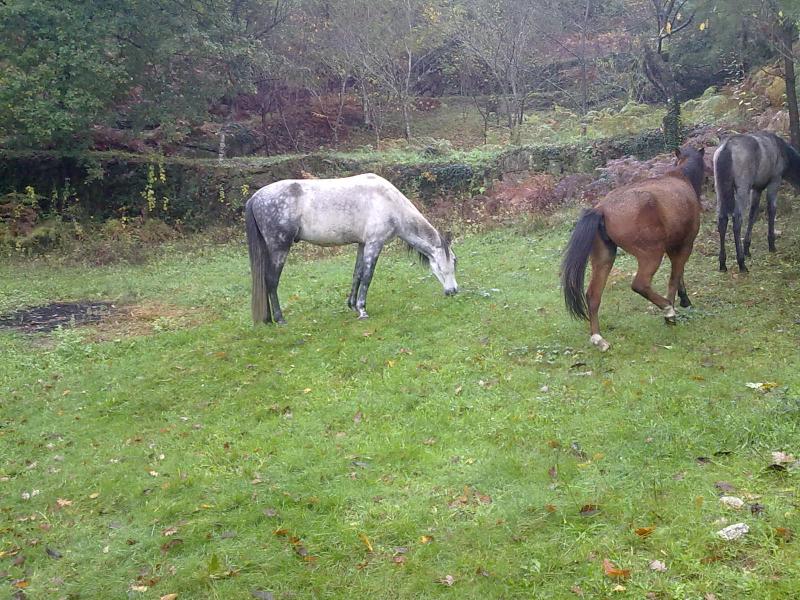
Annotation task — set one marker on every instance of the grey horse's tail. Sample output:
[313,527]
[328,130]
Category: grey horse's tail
[257,249]
[792,174]
[723,181]
[576,256]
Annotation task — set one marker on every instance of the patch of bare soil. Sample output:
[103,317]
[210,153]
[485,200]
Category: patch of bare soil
[41,319]
[107,320]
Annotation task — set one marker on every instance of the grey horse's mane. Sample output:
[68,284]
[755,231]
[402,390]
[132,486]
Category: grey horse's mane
[445,239]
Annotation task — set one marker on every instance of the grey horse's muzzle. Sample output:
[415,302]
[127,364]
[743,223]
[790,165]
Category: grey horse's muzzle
[451,292]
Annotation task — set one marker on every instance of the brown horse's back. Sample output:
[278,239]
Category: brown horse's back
[661,212]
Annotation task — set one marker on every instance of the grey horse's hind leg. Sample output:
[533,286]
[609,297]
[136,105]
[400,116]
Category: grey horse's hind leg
[755,201]
[772,209]
[722,228]
[279,249]
[737,230]
[351,299]
[371,252]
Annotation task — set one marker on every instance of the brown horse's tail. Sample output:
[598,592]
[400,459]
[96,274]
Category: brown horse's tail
[257,249]
[576,256]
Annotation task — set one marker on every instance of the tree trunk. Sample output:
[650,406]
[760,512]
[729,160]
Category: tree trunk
[222,132]
[789,34]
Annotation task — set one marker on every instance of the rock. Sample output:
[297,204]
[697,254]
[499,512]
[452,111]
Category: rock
[733,532]
[732,502]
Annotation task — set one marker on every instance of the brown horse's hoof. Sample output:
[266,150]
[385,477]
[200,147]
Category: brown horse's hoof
[669,315]
[598,341]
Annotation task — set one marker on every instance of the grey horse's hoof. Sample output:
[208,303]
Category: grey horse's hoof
[362,314]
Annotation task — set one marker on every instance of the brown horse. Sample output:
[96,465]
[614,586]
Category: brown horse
[646,219]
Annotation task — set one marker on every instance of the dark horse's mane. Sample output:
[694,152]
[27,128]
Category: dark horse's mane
[792,174]
[694,170]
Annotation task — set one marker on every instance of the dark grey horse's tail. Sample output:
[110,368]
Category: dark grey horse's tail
[723,181]
[259,255]
[576,255]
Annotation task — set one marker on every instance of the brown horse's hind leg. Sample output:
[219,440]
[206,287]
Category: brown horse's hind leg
[648,265]
[602,258]
[676,285]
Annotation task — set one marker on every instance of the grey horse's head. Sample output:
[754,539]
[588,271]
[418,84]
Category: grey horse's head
[443,265]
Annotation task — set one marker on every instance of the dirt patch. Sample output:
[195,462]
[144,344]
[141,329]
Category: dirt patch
[41,319]
[146,319]
[107,320]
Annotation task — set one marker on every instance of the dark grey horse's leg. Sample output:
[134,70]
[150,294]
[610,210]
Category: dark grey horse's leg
[351,299]
[722,227]
[737,230]
[755,201]
[772,209]
[371,252]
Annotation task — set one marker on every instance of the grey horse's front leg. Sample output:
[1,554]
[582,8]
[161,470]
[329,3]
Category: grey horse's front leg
[370,259]
[351,299]
[772,209]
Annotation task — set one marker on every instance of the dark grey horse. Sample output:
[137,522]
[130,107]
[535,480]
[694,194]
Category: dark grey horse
[366,210]
[744,166]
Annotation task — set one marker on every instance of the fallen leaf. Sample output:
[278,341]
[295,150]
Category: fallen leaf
[782,458]
[357,417]
[282,531]
[399,560]
[550,508]
[619,587]
[757,508]
[169,545]
[262,595]
[62,502]
[644,532]
[52,553]
[588,510]
[20,584]
[447,580]
[613,572]
[425,539]
[169,597]
[363,537]
[724,486]
[764,386]
[784,533]
[577,590]
[139,588]
[553,472]
[657,565]
[170,531]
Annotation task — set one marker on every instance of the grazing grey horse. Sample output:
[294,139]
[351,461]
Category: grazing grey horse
[366,210]
[744,166]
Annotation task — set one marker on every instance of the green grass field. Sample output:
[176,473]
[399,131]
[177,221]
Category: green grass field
[466,447]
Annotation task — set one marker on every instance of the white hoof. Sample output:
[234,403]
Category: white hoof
[669,312]
[598,341]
